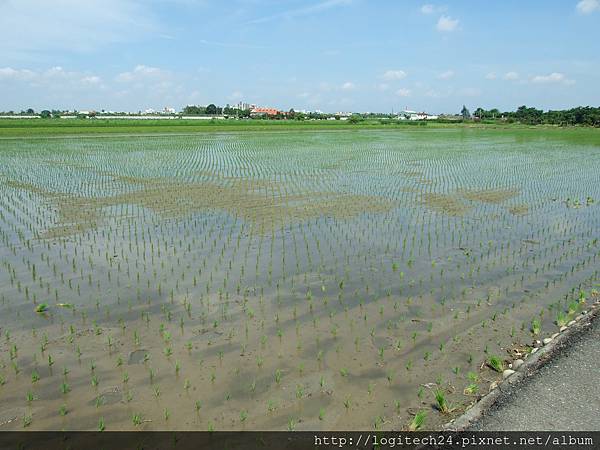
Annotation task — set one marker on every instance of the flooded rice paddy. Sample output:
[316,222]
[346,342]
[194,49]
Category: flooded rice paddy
[273,281]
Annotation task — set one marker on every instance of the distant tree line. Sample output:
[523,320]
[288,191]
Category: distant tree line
[214,110]
[582,115]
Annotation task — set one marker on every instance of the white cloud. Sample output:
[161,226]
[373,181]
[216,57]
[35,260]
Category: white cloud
[446,75]
[428,8]
[57,87]
[391,75]
[403,92]
[348,86]
[554,77]
[447,24]
[8,73]
[511,76]
[55,71]
[588,6]
[92,80]
[49,83]
[49,77]
[31,27]
[491,76]
[142,72]
[304,11]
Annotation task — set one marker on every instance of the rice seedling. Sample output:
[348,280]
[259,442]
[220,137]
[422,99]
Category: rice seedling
[441,401]
[29,396]
[473,377]
[536,327]
[291,424]
[137,419]
[561,319]
[495,363]
[418,421]
[471,389]
[390,376]
[198,247]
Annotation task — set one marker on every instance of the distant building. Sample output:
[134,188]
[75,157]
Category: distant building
[244,106]
[265,112]
[16,116]
[413,115]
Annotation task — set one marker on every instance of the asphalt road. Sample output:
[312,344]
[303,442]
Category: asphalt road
[564,395]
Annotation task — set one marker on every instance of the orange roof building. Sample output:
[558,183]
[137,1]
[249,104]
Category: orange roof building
[264,112]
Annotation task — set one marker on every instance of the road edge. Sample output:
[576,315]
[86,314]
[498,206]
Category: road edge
[532,363]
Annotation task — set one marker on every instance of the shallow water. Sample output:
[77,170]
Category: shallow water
[282,280]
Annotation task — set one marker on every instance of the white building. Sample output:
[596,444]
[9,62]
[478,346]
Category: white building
[413,115]
[244,106]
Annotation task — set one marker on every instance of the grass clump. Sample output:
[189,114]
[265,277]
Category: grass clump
[441,401]
[495,363]
[418,421]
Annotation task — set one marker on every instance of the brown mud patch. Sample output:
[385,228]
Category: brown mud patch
[446,203]
[263,203]
[489,195]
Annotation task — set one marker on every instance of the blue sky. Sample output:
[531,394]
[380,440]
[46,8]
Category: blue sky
[333,55]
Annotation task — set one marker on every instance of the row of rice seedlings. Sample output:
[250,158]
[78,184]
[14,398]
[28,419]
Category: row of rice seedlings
[272,288]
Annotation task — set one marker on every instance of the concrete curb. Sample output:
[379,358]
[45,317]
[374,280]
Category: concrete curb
[530,365]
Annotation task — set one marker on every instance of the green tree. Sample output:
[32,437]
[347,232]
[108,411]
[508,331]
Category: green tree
[192,110]
[464,112]
[45,114]
[211,109]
